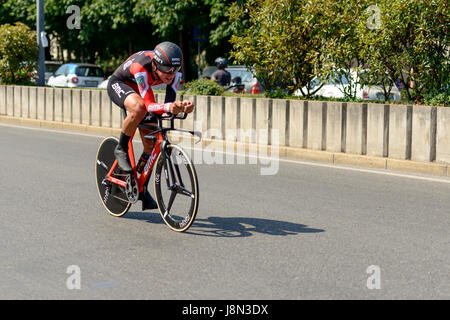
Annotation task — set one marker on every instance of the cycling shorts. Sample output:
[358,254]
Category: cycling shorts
[118,91]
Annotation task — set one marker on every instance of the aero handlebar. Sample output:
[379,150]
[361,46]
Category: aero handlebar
[171,116]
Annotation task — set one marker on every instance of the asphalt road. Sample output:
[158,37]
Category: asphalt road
[311,231]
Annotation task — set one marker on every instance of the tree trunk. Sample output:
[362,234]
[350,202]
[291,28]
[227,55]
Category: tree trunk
[130,46]
[183,39]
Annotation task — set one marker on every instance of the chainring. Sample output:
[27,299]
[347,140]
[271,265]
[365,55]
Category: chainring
[132,189]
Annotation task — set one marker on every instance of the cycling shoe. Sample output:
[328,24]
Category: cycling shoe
[147,201]
[123,159]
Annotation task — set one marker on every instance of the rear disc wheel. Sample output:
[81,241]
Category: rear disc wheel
[111,195]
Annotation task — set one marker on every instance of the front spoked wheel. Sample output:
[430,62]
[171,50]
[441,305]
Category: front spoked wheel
[176,188]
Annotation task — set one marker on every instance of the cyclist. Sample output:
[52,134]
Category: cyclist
[222,76]
[130,87]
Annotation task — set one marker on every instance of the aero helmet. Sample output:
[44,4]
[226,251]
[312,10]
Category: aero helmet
[168,57]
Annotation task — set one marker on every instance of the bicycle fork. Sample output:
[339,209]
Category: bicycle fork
[169,175]
[167,165]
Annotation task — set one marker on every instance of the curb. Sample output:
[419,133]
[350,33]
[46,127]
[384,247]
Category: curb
[437,169]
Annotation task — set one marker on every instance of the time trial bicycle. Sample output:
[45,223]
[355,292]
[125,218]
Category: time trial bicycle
[175,179]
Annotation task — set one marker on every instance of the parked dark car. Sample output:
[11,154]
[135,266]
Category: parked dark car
[250,82]
[239,74]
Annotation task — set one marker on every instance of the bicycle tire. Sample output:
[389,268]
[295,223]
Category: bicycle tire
[114,201]
[177,217]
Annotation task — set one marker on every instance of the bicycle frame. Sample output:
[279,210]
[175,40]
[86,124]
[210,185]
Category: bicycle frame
[148,166]
[161,136]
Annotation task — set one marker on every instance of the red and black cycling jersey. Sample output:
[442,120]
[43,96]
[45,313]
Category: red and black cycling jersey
[136,72]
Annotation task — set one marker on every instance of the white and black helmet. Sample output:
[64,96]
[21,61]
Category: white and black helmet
[221,62]
[168,57]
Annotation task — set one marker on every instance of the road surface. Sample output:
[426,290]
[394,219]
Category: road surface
[311,231]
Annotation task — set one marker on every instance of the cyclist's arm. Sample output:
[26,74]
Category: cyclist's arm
[171,91]
[145,90]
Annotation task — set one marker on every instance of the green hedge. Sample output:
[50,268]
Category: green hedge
[204,87]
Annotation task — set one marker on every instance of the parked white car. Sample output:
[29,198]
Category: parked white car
[50,68]
[104,83]
[77,75]
[335,89]
[375,92]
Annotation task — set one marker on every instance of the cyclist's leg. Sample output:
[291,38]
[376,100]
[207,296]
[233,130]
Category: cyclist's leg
[136,111]
[148,144]
[147,201]
[126,98]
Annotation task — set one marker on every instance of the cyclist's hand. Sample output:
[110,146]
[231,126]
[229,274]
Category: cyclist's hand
[176,107]
[188,106]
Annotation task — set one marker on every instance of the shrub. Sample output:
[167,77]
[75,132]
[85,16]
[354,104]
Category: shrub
[18,54]
[204,87]
[440,99]
[276,94]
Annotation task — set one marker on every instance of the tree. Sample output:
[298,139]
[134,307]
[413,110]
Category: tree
[113,29]
[341,45]
[293,41]
[55,19]
[18,53]
[410,45]
[109,28]
[5,15]
[19,11]
[175,20]
[281,43]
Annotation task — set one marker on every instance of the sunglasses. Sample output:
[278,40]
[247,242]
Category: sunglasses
[168,69]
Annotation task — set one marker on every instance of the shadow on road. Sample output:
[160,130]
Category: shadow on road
[245,227]
[233,226]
